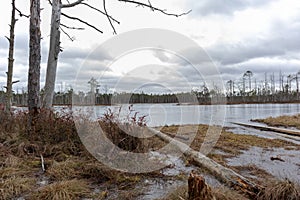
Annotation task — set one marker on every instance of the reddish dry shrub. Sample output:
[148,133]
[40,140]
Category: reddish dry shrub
[117,129]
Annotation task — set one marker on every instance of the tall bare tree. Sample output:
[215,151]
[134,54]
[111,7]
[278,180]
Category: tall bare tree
[9,72]
[34,57]
[54,48]
[248,74]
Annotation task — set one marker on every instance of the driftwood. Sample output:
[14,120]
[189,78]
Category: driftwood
[177,136]
[225,175]
[269,128]
[198,189]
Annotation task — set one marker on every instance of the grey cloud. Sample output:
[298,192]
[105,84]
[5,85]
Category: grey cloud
[259,67]
[77,53]
[282,41]
[161,55]
[221,7]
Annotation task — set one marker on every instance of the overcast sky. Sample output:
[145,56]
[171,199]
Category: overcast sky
[238,35]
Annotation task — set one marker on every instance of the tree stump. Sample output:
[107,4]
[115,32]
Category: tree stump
[198,189]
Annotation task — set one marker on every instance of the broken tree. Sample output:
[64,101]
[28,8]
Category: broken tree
[9,72]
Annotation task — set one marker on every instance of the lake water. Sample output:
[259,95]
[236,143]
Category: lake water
[169,114]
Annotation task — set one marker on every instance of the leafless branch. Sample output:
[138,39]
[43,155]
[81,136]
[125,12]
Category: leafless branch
[71,38]
[82,21]
[112,26]
[149,5]
[101,12]
[71,4]
[70,27]
[15,81]
[21,14]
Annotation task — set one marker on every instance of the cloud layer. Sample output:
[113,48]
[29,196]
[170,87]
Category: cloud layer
[239,35]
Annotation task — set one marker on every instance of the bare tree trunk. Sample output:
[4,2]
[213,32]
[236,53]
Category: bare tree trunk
[34,58]
[11,40]
[53,54]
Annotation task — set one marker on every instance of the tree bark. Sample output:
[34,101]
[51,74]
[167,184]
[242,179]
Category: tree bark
[198,189]
[11,40]
[54,50]
[34,57]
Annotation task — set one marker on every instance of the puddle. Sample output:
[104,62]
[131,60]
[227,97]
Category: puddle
[260,157]
[158,188]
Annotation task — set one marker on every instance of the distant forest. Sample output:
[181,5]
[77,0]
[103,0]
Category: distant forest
[244,90]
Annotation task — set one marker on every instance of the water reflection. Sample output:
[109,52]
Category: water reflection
[169,114]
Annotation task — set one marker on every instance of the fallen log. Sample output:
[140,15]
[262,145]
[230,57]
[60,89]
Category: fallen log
[269,128]
[225,175]
[177,136]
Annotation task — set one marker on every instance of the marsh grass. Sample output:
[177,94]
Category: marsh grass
[63,190]
[282,121]
[73,172]
[278,190]
[221,193]
[13,186]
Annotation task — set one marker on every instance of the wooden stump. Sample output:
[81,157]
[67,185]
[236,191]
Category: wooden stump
[198,189]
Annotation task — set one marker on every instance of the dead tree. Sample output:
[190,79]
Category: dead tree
[9,72]
[56,26]
[34,58]
[198,189]
[54,50]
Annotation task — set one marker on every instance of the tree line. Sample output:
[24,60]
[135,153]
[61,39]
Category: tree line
[246,89]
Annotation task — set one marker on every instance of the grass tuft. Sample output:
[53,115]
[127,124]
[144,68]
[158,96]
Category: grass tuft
[14,186]
[63,190]
[280,190]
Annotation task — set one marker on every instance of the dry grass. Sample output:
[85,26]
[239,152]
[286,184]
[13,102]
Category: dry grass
[279,190]
[230,143]
[221,193]
[282,121]
[72,169]
[14,186]
[63,190]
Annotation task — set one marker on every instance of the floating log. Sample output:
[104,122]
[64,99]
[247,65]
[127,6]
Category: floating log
[198,189]
[270,128]
[225,175]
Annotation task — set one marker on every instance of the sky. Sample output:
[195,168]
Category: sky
[261,36]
